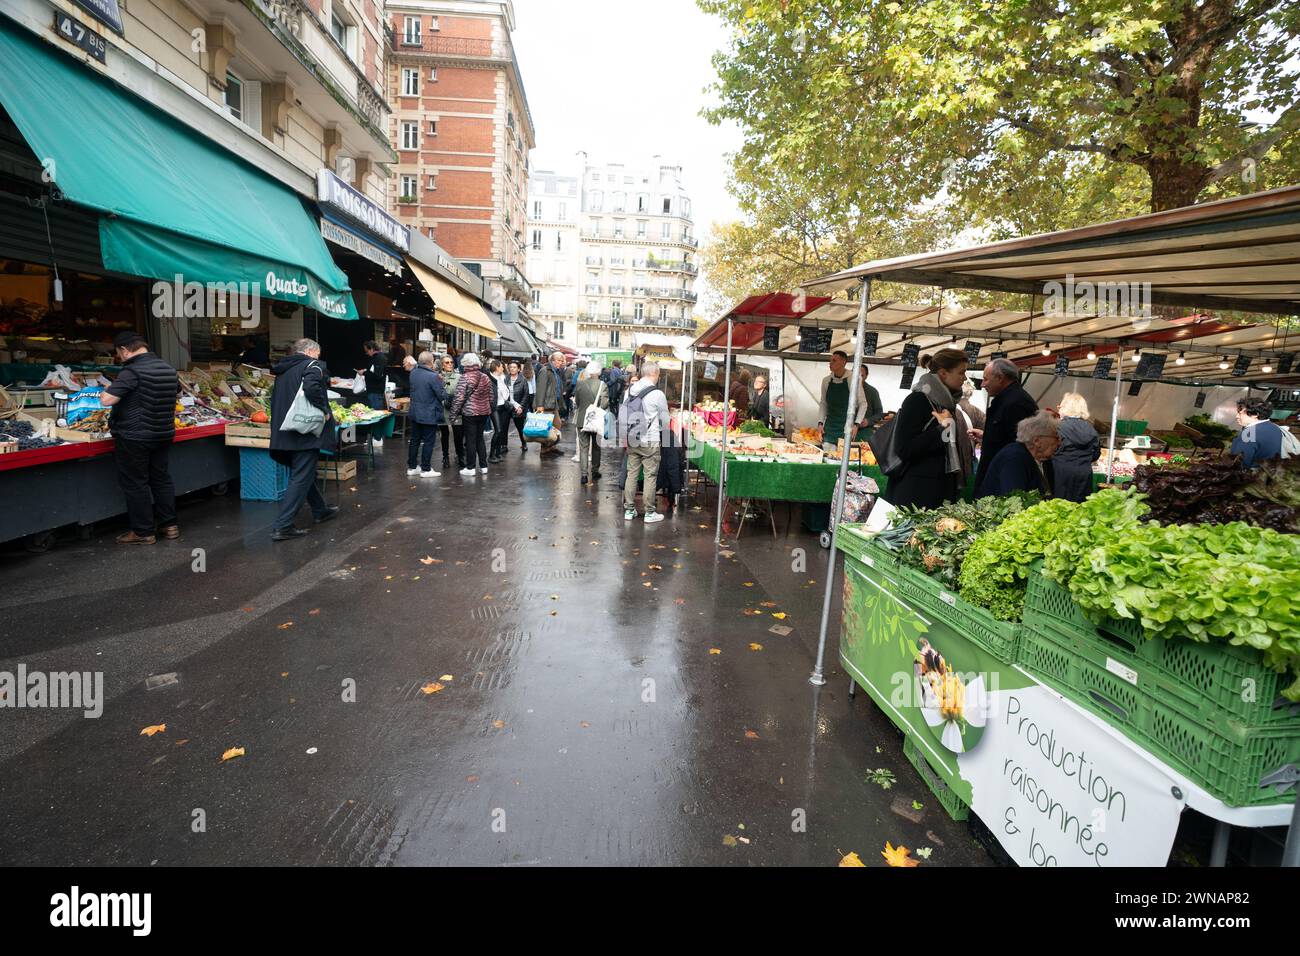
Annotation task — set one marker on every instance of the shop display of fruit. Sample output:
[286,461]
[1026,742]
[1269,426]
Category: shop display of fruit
[24,435]
[809,436]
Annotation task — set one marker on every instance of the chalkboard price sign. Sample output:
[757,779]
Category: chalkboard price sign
[1135,388]
[910,352]
[909,373]
[1200,400]
[869,342]
[772,337]
[1241,366]
[973,352]
[1062,366]
[1102,368]
[815,341]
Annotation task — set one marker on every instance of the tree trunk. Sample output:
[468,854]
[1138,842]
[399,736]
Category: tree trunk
[1175,184]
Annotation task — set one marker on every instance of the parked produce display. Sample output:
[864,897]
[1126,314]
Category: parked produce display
[1209,427]
[1216,491]
[936,540]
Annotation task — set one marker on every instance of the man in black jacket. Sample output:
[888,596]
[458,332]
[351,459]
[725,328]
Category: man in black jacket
[143,423]
[297,451]
[1009,405]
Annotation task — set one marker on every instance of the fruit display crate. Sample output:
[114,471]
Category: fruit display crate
[1215,684]
[260,478]
[1227,759]
[952,804]
[999,638]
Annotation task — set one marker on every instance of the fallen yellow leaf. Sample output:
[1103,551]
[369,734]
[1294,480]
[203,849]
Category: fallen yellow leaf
[715,650]
[898,856]
[313,612]
[768,604]
[499,724]
[284,673]
[232,753]
[153,729]
[851,859]
[728,840]
[749,584]
[431,688]
[780,615]
[647,584]
[755,647]
[751,735]
[286,625]
[447,677]
[426,560]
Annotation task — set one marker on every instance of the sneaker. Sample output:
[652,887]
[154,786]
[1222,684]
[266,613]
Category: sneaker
[467,472]
[652,517]
[379,443]
[482,471]
[576,458]
[629,514]
[583,479]
[430,474]
[412,472]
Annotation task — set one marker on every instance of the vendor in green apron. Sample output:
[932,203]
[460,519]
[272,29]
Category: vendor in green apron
[835,400]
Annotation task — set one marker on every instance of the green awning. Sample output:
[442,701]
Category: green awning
[173,202]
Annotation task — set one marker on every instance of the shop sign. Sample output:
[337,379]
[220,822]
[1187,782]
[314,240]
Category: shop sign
[334,194]
[367,250]
[455,268]
[79,36]
[105,11]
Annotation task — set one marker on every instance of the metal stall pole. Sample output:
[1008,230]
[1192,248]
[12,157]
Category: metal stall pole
[726,413]
[684,444]
[837,506]
[1114,415]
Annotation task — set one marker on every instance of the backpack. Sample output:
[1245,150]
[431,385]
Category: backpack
[632,421]
[1290,444]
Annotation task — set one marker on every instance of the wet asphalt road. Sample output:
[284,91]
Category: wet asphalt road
[585,722]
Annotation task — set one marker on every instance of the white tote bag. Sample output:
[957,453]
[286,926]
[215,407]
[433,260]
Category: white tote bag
[593,421]
[303,417]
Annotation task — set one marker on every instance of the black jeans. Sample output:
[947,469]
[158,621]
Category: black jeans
[146,483]
[475,445]
[302,487]
[502,433]
[519,421]
[426,435]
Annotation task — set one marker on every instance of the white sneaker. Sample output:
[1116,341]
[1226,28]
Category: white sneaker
[379,443]
[482,471]
[653,516]
[467,472]
[576,458]
[412,472]
[430,474]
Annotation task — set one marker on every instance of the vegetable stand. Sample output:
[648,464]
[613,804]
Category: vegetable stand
[76,483]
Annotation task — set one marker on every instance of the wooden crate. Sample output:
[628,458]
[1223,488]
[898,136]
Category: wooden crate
[248,435]
[72,435]
[347,470]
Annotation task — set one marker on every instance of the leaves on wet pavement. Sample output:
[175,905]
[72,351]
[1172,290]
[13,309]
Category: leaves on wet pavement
[285,626]
[851,859]
[898,856]
[232,753]
[153,729]
[715,650]
[752,735]
[755,647]
[432,688]
[882,777]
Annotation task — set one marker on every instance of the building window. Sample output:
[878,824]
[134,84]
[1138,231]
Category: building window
[559,241]
[537,239]
[557,329]
[537,209]
[663,312]
[640,230]
[562,212]
[410,135]
[616,309]
[411,31]
[409,187]
[668,230]
[433,127]
[234,96]
[433,74]
[618,228]
[594,228]
[433,24]
[638,312]
[410,81]
[668,207]
[537,298]
[613,338]
[620,201]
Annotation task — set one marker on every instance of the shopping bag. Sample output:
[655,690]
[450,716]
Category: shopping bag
[359,384]
[537,426]
[303,417]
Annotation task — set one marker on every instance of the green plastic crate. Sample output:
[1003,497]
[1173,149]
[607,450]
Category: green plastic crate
[856,546]
[1227,759]
[999,638]
[952,804]
[1213,683]
[1128,427]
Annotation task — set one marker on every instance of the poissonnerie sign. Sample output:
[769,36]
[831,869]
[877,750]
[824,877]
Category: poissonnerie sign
[334,193]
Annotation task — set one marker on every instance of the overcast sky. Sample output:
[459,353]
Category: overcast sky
[625,80]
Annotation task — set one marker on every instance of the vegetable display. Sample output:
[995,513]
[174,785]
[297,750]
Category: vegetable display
[755,427]
[1209,427]
[1218,491]
[936,540]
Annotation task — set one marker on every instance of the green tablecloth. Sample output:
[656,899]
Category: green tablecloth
[778,481]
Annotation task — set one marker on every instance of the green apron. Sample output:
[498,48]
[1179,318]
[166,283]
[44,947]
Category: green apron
[837,406]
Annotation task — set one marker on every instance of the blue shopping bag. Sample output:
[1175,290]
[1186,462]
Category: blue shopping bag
[538,425]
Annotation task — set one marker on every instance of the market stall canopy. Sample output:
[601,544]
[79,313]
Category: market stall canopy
[751,315]
[553,346]
[454,307]
[1234,255]
[172,203]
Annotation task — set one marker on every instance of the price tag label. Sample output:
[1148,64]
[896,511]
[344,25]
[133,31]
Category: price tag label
[256,372]
[868,560]
[187,400]
[1122,671]
[237,389]
[225,400]
[949,599]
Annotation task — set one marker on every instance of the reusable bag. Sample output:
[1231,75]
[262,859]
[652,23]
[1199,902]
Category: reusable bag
[303,417]
[594,420]
[537,426]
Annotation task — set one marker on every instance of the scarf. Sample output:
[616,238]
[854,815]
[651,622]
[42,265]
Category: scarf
[941,396]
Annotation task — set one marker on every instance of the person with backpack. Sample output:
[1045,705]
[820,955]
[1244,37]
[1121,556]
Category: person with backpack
[643,420]
[474,402]
[1260,439]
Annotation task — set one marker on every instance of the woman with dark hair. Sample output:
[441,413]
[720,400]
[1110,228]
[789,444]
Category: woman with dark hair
[928,436]
[505,409]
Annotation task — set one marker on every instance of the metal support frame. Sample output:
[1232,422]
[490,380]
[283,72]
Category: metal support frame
[818,676]
[1114,414]
[726,414]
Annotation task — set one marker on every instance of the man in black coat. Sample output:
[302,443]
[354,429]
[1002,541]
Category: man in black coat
[299,452]
[428,396]
[1009,405]
[143,423]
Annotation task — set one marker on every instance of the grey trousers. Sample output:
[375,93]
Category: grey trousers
[638,460]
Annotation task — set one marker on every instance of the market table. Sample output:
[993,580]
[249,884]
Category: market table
[76,483]
[778,481]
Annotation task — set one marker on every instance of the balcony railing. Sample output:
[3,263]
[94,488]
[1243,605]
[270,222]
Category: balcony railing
[437,45]
[591,289]
[689,241]
[623,321]
[677,295]
[658,265]
[595,261]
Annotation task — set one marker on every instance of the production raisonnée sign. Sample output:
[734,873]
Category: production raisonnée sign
[1056,786]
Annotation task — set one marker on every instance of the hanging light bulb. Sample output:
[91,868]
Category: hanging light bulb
[1092,355]
[1047,349]
[1267,367]
[1182,359]
[1137,356]
[1223,362]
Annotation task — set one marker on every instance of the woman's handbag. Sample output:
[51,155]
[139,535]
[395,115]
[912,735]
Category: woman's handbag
[537,426]
[593,422]
[303,417]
